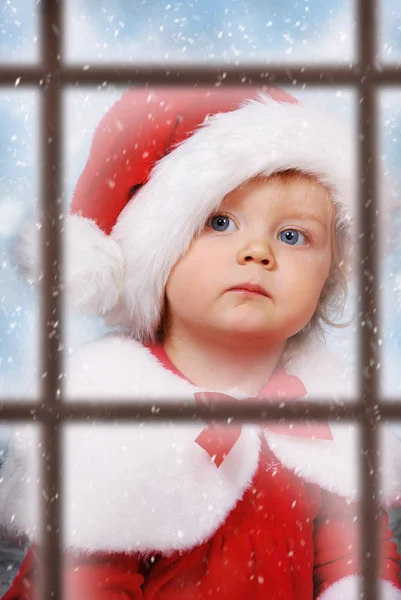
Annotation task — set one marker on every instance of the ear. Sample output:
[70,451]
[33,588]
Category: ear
[94,263]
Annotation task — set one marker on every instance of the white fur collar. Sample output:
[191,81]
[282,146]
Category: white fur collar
[150,487]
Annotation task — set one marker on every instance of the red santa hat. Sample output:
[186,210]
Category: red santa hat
[161,161]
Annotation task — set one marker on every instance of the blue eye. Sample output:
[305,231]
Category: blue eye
[292,236]
[220,222]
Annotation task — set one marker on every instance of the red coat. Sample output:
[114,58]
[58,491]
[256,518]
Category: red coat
[284,537]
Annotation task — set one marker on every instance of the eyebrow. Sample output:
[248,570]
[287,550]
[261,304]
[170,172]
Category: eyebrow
[308,217]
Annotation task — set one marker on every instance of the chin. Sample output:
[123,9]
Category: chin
[246,329]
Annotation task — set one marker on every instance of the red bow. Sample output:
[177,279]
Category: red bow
[219,441]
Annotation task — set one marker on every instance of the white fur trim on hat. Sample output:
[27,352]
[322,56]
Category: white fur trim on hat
[94,266]
[350,588]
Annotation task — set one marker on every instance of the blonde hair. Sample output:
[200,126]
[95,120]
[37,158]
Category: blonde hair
[333,297]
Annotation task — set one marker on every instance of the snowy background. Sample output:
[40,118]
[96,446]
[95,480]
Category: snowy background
[167,32]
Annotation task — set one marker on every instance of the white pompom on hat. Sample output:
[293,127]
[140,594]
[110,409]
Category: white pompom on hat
[161,161]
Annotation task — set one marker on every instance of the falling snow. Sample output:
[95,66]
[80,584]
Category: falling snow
[167,32]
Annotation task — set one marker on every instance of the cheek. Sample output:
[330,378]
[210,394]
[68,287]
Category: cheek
[190,280]
[322,270]
[176,284]
[306,277]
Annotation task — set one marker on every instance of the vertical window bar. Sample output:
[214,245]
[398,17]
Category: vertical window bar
[368,358]
[51,314]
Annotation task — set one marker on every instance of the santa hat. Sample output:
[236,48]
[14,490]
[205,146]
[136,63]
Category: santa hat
[160,162]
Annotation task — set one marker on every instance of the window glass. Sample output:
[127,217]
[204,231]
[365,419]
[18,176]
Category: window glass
[228,31]
[19,25]
[207,521]
[20,495]
[390,30]
[19,172]
[389,103]
[390,472]
[83,111]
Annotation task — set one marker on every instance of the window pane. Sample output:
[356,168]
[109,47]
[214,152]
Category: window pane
[390,482]
[220,31]
[390,30]
[390,219]
[19,30]
[206,519]
[20,483]
[343,342]
[12,550]
[19,172]
[84,110]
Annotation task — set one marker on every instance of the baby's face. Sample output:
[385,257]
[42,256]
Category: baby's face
[272,233]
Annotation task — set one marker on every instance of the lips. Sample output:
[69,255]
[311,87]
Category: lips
[250,287]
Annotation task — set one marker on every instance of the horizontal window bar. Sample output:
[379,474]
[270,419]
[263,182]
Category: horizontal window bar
[23,75]
[154,411]
[26,410]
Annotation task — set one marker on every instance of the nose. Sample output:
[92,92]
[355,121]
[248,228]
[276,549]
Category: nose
[259,252]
